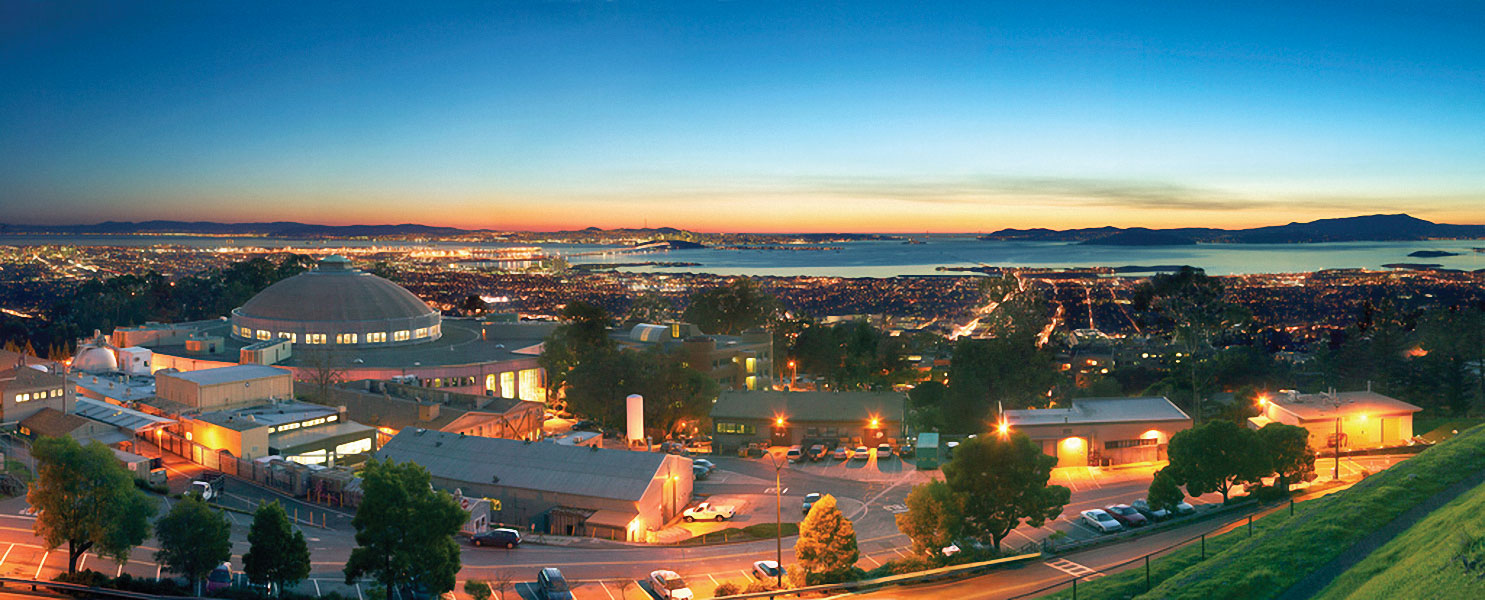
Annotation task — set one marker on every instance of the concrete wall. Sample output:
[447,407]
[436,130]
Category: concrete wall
[10,410]
[249,444]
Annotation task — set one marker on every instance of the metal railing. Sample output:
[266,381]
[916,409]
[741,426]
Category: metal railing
[915,577]
[59,586]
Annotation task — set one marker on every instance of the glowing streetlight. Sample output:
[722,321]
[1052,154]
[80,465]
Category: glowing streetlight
[778,421]
[875,422]
[1004,428]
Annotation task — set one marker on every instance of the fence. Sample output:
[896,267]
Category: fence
[90,592]
[289,477]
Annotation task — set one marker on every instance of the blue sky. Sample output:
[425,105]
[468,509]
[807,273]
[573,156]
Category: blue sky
[788,116]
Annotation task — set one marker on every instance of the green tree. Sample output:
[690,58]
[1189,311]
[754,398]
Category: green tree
[1011,372]
[582,335]
[731,309]
[1001,482]
[277,552]
[194,539]
[827,541]
[86,500]
[1215,456]
[1286,452]
[405,529]
[478,590]
[934,516]
[1164,492]
[1193,307]
[597,387]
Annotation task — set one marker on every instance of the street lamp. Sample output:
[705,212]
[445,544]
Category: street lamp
[778,491]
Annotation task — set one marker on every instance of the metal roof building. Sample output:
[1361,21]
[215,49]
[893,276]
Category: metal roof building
[1102,431]
[788,418]
[560,489]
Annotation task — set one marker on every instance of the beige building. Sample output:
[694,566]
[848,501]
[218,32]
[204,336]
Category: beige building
[1102,431]
[222,387]
[295,431]
[789,418]
[1365,419]
[739,363]
[25,390]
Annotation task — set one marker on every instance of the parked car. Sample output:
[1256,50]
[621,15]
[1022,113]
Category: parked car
[767,570]
[551,585]
[668,585]
[1126,515]
[861,453]
[707,511]
[585,425]
[905,450]
[699,472]
[817,452]
[884,451]
[1183,508]
[702,462]
[1150,513]
[220,578]
[810,500]
[500,538]
[795,454]
[841,453]
[1101,521]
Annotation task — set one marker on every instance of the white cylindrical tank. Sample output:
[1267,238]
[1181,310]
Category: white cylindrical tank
[635,410]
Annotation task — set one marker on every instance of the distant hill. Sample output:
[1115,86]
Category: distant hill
[1369,228]
[274,229]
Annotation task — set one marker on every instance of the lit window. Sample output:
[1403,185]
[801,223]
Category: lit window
[376,337]
[357,447]
[264,334]
[23,397]
[437,329]
[288,335]
[421,332]
[56,393]
[332,418]
[314,338]
[508,384]
[401,336]
[346,338]
[530,387]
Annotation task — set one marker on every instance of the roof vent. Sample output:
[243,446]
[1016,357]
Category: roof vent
[494,479]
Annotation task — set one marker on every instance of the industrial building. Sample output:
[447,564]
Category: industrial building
[26,389]
[780,418]
[296,431]
[1364,419]
[742,362]
[1102,431]
[236,385]
[559,489]
[392,407]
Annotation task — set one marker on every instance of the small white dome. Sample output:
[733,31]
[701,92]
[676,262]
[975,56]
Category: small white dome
[95,359]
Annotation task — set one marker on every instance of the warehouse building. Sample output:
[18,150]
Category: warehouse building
[296,431]
[221,387]
[1102,431]
[1364,419]
[781,418]
[558,489]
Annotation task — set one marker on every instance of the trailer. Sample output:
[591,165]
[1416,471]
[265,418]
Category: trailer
[926,451]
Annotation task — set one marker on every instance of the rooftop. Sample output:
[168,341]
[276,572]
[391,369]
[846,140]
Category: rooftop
[1100,410]
[124,388]
[118,416]
[232,374]
[299,437]
[267,415]
[463,343]
[809,406]
[596,473]
[1322,406]
[50,422]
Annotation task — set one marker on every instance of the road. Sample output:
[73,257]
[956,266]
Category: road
[871,494]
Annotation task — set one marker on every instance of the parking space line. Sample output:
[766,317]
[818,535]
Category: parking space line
[82,563]
[605,590]
[358,591]
[121,571]
[41,564]
[7,554]
[714,579]
[1093,479]
[317,588]
[157,570]
[873,560]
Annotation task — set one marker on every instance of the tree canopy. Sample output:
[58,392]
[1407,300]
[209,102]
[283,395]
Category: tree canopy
[827,541]
[405,529]
[87,500]
[277,552]
[731,309]
[1002,482]
[583,333]
[1164,492]
[194,539]
[851,355]
[934,516]
[1215,456]
[1286,452]
[598,386]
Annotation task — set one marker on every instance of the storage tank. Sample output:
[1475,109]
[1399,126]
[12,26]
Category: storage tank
[635,410]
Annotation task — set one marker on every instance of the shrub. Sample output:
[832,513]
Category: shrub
[1269,493]
[758,585]
[726,588]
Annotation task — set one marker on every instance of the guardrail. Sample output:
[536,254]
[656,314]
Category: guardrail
[73,587]
[915,577]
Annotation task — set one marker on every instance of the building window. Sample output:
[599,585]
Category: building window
[421,333]
[357,447]
[437,329]
[264,334]
[56,393]
[530,387]
[508,384]
[346,338]
[736,428]
[23,397]
[332,418]
[401,336]
[287,335]
[376,337]
[1117,444]
[314,338]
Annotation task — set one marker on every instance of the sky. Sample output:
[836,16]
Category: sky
[742,116]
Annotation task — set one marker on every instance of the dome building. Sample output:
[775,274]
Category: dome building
[336,305]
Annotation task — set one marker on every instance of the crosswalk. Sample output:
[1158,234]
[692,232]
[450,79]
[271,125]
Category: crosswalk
[1074,569]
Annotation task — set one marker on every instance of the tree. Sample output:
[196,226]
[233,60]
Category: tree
[86,499]
[1164,492]
[597,387]
[1002,481]
[1195,309]
[732,308]
[1215,456]
[1286,452]
[194,539]
[827,541]
[473,305]
[582,335]
[405,529]
[503,581]
[478,590]
[277,553]
[1011,372]
[934,516]
[323,369]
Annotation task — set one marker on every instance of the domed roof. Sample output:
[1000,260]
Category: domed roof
[334,292]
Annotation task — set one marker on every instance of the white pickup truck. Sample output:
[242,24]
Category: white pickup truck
[707,511]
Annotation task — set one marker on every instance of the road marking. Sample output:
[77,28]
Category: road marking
[7,554]
[157,570]
[41,564]
[120,573]
[82,562]
[745,574]
[1093,479]
[896,509]
[317,587]
[1072,568]
[358,591]
[770,490]
[873,560]
[714,579]
[605,590]
[899,552]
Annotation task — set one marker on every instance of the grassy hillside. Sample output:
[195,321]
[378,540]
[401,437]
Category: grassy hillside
[1444,554]
[1285,549]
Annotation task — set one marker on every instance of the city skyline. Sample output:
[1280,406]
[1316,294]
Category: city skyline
[741,117]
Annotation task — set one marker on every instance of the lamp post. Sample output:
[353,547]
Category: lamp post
[1334,401]
[778,491]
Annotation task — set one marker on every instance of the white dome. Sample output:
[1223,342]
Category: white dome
[95,359]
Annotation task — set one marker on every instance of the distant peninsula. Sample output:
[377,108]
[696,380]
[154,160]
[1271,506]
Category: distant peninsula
[1432,254]
[1369,228]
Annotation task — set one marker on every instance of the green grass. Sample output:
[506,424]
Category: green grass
[1425,557]
[761,531]
[1438,429]
[1285,549]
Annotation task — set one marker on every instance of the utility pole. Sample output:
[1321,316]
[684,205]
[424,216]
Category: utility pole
[778,491]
